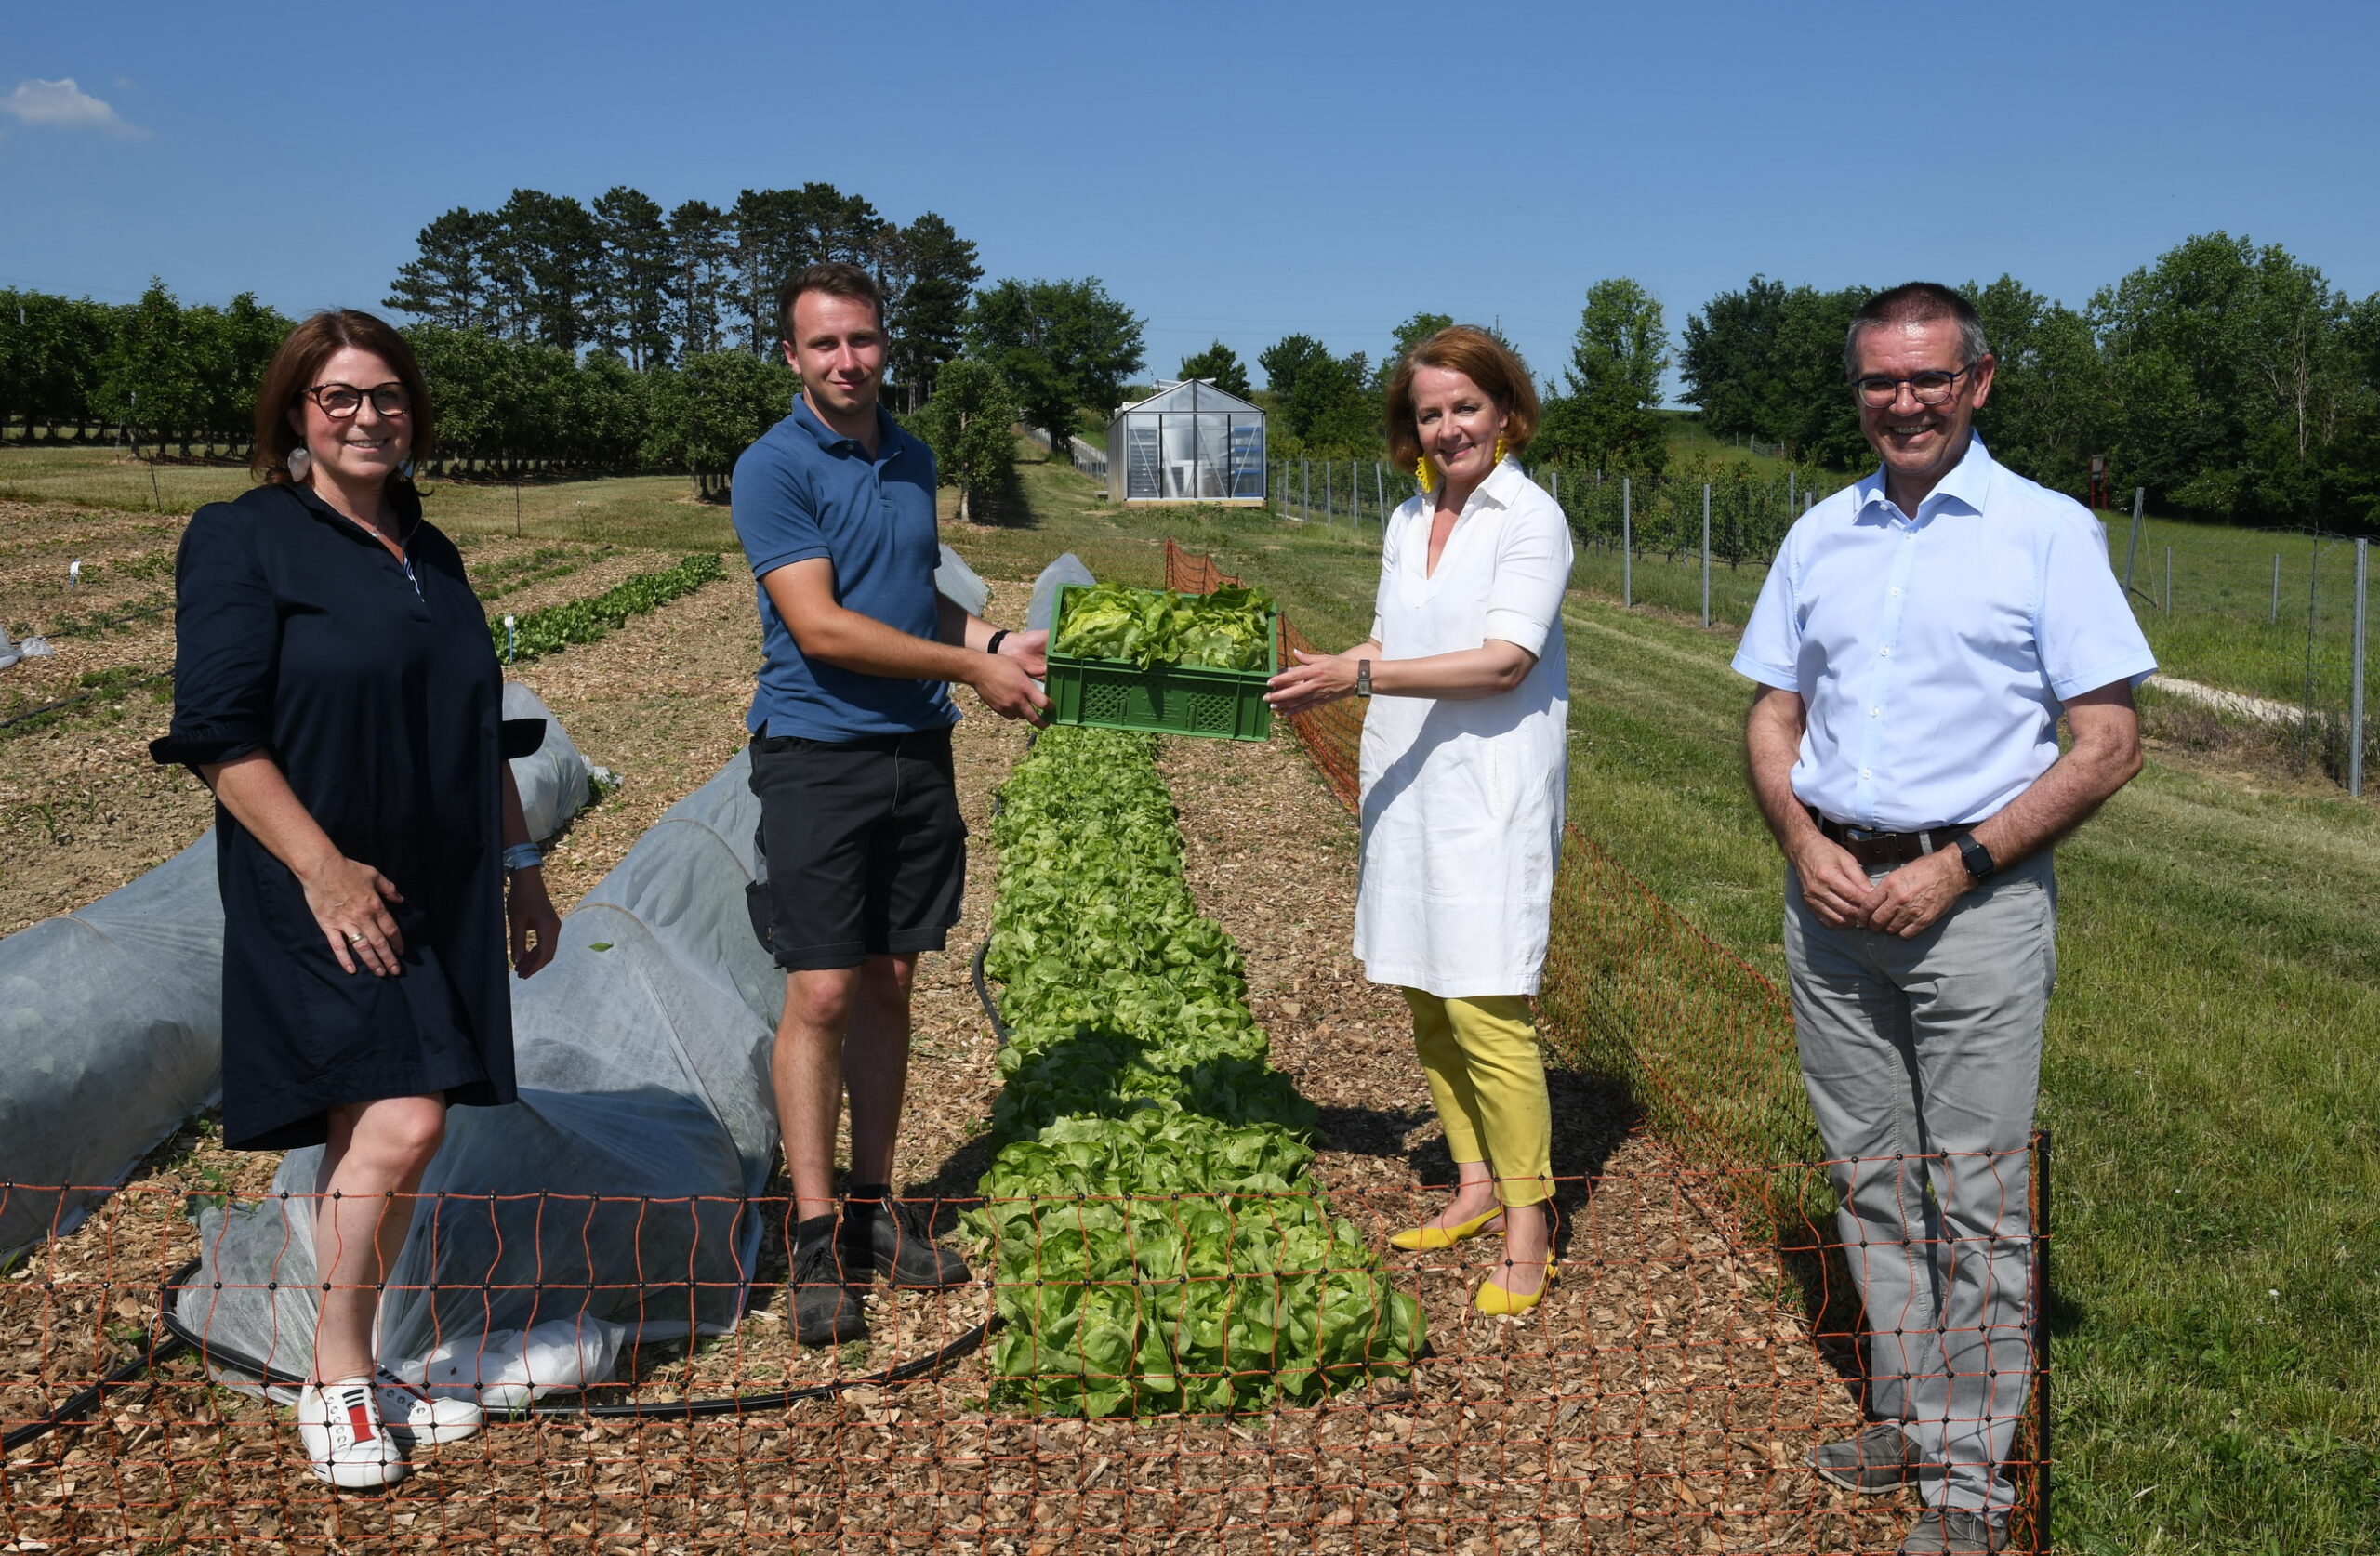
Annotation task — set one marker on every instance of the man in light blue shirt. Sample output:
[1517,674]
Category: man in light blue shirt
[1916,643]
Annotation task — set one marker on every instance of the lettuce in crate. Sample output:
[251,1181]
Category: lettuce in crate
[1230,629]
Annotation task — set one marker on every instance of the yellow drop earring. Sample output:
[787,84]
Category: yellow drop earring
[1422,473]
[1498,457]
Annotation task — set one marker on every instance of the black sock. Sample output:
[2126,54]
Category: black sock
[869,1191]
[817,1228]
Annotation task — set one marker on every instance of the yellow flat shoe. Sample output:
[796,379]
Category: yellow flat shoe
[1497,1302]
[1424,1239]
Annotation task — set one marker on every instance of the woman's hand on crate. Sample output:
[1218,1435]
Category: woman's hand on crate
[1317,678]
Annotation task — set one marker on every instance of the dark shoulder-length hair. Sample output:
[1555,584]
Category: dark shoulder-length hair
[293,373]
[1479,357]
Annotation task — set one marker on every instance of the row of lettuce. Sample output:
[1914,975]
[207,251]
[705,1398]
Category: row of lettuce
[1157,1241]
[583,621]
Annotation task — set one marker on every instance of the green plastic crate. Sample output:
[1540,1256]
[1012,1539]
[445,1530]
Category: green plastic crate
[1163,699]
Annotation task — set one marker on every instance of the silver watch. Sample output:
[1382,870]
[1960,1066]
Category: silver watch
[1362,677]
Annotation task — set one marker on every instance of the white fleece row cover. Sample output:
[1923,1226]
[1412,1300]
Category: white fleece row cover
[111,1020]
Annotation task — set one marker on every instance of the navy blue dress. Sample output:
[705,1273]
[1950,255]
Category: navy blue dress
[297,633]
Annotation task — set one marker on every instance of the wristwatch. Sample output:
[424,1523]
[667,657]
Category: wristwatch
[1978,858]
[1362,677]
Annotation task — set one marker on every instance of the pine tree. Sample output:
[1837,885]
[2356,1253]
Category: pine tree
[938,272]
[635,276]
[448,284]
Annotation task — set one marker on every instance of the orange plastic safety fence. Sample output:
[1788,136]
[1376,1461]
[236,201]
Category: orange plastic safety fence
[1662,1398]
[1703,1040]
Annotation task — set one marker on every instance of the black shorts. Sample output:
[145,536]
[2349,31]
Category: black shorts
[867,851]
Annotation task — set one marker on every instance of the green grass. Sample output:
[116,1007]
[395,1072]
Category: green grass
[654,511]
[2210,1078]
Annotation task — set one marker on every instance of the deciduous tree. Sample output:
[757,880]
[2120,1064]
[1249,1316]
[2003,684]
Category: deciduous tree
[970,423]
[1060,344]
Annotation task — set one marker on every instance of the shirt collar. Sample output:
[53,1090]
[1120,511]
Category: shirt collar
[1502,483]
[1968,482]
[888,431]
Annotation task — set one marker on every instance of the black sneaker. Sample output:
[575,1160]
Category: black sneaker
[896,1239]
[1878,1460]
[825,1307]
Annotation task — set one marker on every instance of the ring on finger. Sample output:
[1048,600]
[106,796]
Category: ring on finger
[355,938]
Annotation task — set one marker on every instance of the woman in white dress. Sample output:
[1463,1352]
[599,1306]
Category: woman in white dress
[1464,765]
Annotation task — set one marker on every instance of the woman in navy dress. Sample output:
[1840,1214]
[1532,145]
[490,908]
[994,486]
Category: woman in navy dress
[335,685]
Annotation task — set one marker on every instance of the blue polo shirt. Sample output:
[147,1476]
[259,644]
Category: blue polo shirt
[804,490]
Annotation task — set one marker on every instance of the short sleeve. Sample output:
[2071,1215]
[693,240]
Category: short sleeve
[2084,628]
[774,519]
[1532,573]
[227,644]
[1771,647]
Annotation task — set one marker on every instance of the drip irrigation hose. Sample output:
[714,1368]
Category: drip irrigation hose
[177,1338]
[910,1371]
[1000,1029]
[80,698]
[83,1403]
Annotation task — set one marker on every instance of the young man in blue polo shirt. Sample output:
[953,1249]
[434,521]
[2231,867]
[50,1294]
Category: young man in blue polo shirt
[850,759]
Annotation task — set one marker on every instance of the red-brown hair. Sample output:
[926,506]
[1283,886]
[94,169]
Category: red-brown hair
[1482,359]
[292,374]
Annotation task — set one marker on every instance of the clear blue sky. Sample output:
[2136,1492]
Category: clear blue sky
[1229,170]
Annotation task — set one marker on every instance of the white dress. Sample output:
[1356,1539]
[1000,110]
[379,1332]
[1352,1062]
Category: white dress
[1462,797]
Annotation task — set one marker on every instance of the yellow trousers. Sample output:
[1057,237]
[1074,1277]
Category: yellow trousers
[1485,1070]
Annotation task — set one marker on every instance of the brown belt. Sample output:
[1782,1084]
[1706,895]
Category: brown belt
[1872,849]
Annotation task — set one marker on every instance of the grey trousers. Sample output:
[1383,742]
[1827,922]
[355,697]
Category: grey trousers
[1922,1058]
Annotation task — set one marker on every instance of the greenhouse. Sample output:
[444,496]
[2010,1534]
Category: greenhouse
[1188,443]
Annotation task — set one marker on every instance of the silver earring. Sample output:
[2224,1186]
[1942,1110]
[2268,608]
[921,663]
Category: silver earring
[300,461]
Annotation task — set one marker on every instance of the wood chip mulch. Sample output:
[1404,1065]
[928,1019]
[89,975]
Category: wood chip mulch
[1660,1401]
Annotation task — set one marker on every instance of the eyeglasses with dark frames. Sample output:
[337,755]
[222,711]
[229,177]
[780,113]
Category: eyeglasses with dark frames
[339,402]
[1931,388]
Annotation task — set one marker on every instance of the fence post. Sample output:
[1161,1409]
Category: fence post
[2041,1377]
[2355,671]
[516,511]
[1706,553]
[2276,588]
[2131,549]
[1305,482]
[2169,580]
[1329,467]
[1379,494]
[1627,549]
[1788,491]
[156,502]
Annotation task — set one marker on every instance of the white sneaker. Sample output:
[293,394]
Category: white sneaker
[340,1425]
[416,1418]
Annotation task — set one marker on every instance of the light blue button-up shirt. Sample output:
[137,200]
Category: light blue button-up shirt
[1935,653]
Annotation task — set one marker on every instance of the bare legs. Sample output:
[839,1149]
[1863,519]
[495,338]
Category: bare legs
[842,1030]
[372,1164]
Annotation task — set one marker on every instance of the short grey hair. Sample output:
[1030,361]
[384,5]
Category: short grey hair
[1917,302]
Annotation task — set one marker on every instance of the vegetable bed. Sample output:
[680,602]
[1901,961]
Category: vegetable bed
[583,621]
[1167,663]
[1158,1243]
